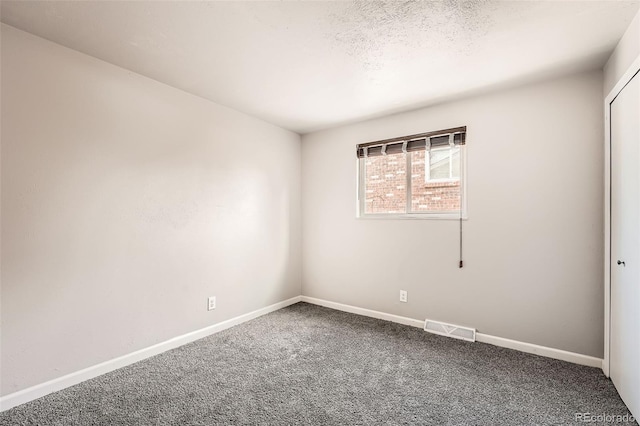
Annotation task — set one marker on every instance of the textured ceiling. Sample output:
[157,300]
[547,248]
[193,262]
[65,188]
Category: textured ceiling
[311,65]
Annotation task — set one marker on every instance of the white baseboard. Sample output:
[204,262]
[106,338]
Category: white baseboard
[480,337]
[531,348]
[362,311]
[35,392]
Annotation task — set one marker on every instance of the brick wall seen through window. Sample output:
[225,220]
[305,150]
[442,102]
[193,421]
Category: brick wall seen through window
[385,183]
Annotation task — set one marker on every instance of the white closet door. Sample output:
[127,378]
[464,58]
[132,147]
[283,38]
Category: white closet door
[625,245]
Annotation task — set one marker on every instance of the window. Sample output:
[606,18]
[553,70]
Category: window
[418,176]
[444,164]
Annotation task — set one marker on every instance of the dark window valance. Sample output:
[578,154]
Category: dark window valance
[413,142]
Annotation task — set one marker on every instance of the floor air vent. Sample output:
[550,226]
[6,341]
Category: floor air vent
[450,330]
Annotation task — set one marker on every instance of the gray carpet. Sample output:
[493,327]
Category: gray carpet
[311,365]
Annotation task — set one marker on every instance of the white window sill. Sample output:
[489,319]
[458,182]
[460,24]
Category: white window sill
[437,181]
[413,216]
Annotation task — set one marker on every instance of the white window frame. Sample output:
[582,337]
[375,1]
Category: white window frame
[450,215]
[427,170]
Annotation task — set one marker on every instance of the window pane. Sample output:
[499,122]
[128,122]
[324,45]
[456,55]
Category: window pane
[385,184]
[429,196]
[455,159]
[439,155]
[439,163]
[440,170]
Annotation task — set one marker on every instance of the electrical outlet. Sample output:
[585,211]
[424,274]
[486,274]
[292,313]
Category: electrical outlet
[212,303]
[403,296]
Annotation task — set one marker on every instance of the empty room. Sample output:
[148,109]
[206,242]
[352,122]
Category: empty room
[320,212]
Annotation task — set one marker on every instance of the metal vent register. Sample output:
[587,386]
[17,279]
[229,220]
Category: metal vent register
[450,330]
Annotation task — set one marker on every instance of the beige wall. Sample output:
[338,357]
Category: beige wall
[125,203]
[627,50]
[534,239]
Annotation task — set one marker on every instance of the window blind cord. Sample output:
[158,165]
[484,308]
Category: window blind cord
[461,264]
[460,198]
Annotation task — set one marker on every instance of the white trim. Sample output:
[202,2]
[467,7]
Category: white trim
[37,391]
[413,216]
[545,351]
[365,312]
[480,337]
[626,77]
[607,234]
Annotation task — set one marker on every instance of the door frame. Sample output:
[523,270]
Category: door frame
[624,80]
